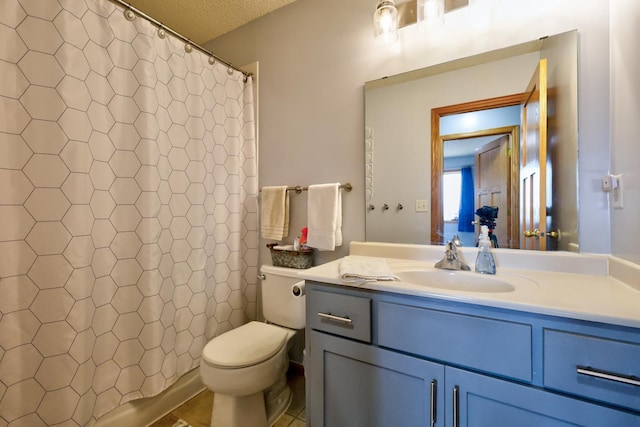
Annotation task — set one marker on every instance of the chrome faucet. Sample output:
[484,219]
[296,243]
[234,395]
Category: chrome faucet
[451,260]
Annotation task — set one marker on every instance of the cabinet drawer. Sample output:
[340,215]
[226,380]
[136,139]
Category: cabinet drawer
[495,346]
[339,314]
[603,369]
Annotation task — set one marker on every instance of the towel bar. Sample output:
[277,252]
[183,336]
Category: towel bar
[299,189]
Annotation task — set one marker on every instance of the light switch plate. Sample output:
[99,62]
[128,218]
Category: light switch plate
[422,205]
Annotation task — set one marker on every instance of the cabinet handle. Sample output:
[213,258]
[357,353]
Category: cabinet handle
[339,319]
[626,379]
[456,406]
[434,402]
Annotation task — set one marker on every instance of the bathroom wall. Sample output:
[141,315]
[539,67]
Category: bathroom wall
[315,56]
[625,149]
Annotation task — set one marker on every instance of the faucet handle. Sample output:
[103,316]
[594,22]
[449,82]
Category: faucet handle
[451,251]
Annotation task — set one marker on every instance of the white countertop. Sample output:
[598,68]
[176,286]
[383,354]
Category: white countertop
[584,290]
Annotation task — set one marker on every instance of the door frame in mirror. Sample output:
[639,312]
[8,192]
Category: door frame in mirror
[437,155]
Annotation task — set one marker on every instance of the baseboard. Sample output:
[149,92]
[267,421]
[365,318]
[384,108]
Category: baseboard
[143,412]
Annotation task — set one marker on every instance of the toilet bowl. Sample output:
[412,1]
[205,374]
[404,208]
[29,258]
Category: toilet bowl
[246,367]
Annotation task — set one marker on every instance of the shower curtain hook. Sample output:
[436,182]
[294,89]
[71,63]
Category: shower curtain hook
[129,15]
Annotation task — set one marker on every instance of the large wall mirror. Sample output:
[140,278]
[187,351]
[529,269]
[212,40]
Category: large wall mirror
[496,129]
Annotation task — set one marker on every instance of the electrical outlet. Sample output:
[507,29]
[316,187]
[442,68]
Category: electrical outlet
[421,206]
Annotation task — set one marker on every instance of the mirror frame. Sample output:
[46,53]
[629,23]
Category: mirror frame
[437,158]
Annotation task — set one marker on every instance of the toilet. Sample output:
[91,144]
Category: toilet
[246,367]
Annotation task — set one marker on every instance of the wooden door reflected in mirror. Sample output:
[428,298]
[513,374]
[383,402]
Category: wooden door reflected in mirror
[496,174]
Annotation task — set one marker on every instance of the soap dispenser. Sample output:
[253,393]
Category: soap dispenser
[484,262]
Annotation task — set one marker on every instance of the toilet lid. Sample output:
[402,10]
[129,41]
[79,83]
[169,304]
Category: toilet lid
[246,345]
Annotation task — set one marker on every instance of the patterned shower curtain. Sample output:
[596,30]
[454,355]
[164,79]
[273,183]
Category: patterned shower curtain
[128,233]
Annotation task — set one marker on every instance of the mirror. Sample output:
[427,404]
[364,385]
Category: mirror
[412,119]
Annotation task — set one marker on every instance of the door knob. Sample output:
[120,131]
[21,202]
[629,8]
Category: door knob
[537,233]
[554,234]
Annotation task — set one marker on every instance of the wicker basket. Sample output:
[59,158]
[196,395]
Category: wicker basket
[291,259]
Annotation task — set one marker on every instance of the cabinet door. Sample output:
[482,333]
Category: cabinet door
[351,384]
[474,400]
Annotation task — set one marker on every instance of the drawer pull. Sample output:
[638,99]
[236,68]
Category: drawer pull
[433,416]
[456,406]
[333,318]
[626,379]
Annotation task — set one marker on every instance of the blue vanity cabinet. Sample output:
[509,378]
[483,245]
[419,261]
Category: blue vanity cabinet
[353,383]
[381,359]
[498,346]
[479,400]
[357,385]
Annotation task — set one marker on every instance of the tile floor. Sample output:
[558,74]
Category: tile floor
[197,411]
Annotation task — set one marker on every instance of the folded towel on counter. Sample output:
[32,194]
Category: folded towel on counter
[274,218]
[324,216]
[355,269]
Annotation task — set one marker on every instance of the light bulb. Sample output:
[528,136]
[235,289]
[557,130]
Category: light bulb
[385,22]
[430,14]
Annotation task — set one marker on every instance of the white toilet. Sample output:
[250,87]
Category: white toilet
[246,367]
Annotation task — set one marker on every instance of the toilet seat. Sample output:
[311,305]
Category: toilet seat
[244,346]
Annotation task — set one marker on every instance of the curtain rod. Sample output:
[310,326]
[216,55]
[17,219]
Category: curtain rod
[160,25]
[299,189]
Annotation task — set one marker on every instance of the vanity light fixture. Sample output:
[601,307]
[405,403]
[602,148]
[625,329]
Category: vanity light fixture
[385,22]
[429,14]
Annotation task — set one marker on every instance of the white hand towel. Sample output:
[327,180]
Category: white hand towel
[324,217]
[355,269]
[274,212]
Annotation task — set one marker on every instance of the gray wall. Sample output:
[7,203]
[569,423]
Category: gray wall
[625,149]
[315,56]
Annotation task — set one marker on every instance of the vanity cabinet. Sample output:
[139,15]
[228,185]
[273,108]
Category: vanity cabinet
[482,400]
[384,359]
[354,384]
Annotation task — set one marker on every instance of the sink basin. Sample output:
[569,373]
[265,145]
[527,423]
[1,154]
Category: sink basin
[458,280]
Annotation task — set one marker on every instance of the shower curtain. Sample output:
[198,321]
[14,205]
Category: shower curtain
[128,219]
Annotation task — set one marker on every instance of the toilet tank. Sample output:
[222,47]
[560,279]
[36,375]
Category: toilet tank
[279,304]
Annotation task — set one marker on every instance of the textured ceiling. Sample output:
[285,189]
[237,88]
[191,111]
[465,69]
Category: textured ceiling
[203,20]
